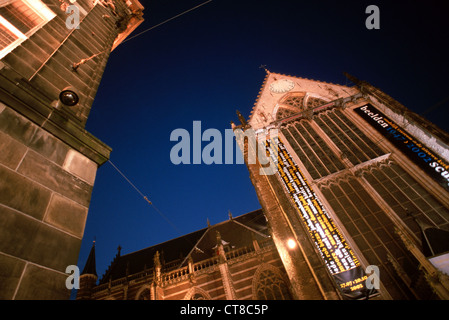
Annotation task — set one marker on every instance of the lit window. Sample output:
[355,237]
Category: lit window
[145,295]
[197,296]
[19,19]
[272,287]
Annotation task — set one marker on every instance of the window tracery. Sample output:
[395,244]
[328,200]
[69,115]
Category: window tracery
[145,294]
[313,102]
[295,102]
[269,285]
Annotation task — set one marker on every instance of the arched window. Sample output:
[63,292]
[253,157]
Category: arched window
[295,102]
[144,294]
[313,102]
[284,113]
[197,296]
[269,285]
[290,104]
[196,293]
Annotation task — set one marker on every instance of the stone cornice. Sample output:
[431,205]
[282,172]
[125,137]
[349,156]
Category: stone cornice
[19,95]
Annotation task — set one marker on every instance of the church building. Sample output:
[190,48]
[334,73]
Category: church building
[354,194]
[232,260]
[362,185]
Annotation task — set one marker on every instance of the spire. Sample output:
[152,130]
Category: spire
[90,267]
[157,268]
[156,260]
[218,234]
[241,119]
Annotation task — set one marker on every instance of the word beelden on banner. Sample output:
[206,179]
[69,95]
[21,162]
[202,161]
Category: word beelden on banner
[433,165]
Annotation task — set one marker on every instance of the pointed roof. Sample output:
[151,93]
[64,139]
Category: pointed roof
[276,86]
[237,232]
[199,245]
[90,267]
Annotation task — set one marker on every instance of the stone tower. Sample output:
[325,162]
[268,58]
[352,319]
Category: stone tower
[53,54]
[359,184]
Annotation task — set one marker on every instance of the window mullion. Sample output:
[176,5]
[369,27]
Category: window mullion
[338,140]
[326,170]
[350,142]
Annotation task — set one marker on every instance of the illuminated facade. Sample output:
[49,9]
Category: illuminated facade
[53,54]
[357,208]
[362,185]
[232,260]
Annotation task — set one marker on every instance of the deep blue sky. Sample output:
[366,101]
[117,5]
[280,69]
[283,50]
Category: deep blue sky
[205,65]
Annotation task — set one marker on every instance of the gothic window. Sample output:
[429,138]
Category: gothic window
[295,102]
[284,113]
[370,227]
[354,144]
[145,294]
[197,296]
[19,19]
[271,286]
[291,104]
[314,153]
[314,102]
[408,198]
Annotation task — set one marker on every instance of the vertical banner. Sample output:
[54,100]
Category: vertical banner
[339,258]
[433,165]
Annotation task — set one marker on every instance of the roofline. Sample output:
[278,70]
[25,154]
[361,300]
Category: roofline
[218,224]
[187,234]
[251,229]
[269,73]
[164,242]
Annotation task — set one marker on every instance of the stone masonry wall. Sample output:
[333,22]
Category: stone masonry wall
[45,190]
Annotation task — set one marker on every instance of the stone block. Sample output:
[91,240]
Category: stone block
[81,166]
[16,126]
[43,284]
[66,215]
[39,169]
[10,272]
[37,242]
[11,151]
[50,147]
[20,193]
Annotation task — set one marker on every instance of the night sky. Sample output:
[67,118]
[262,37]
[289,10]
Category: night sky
[205,65]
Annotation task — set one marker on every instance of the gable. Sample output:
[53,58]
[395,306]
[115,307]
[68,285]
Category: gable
[283,95]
